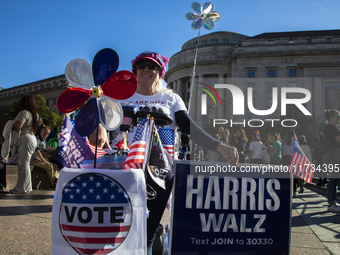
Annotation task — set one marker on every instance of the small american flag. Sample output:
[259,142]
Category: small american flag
[96,214]
[300,165]
[167,137]
[100,151]
[136,156]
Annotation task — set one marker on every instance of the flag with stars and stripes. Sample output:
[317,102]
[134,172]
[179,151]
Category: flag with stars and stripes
[137,154]
[167,136]
[300,165]
[72,149]
[95,212]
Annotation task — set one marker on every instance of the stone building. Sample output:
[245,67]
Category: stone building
[49,88]
[306,59]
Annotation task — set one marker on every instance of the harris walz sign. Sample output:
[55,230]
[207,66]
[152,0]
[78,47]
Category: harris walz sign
[223,210]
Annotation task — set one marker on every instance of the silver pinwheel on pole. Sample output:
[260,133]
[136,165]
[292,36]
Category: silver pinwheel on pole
[203,16]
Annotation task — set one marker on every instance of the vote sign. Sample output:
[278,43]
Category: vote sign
[228,212]
[96,213]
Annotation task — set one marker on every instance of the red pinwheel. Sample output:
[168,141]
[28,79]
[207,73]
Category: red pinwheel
[98,87]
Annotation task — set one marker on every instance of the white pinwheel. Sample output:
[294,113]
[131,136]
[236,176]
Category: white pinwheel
[203,16]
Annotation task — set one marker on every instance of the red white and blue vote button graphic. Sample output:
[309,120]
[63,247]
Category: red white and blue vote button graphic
[95,215]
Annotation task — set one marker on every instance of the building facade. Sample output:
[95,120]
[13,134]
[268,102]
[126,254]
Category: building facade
[49,88]
[266,63]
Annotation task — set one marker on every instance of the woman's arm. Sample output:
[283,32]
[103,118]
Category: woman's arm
[40,156]
[17,125]
[188,126]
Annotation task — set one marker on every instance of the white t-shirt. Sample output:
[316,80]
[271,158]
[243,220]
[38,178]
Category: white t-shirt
[256,147]
[170,100]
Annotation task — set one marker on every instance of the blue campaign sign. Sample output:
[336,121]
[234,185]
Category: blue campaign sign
[219,209]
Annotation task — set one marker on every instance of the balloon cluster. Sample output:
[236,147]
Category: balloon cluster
[96,90]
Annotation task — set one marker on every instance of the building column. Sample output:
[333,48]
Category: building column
[220,110]
[179,88]
[193,101]
[174,87]
[198,99]
[318,95]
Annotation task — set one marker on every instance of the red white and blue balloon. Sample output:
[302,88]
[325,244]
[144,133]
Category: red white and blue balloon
[98,87]
[203,16]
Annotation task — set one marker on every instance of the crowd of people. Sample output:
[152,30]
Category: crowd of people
[280,151]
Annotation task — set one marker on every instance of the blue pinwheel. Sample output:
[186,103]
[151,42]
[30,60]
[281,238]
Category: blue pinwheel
[203,16]
[96,89]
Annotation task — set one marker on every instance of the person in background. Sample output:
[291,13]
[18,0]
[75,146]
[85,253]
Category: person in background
[3,182]
[287,153]
[40,159]
[318,151]
[27,123]
[232,140]
[276,148]
[268,144]
[51,146]
[306,150]
[332,141]
[255,149]
[241,145]
[53,143]
[225,140]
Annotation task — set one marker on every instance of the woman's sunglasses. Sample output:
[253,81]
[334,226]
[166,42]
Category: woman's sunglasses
[151,66]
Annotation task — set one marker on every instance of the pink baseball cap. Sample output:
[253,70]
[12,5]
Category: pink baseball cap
[158,59]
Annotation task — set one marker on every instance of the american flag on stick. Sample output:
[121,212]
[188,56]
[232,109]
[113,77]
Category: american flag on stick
[300,165]
[136,157]
[167,137]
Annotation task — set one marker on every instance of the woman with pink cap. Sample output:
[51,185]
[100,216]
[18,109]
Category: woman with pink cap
[149,68]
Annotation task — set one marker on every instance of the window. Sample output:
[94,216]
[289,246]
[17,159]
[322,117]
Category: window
[251,73]
[214,41]
[329,40]
[309,40]
[225,40]
[292,85]
[270,87]
[271,73]
[291,41]
[48,102]
[271,42]
[332,94]
[204,42]
[292,73]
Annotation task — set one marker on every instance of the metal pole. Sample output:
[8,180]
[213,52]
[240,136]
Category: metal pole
[193,71]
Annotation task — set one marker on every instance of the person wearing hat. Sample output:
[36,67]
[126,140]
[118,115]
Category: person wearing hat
[287,153]
[332,142]
[149,68]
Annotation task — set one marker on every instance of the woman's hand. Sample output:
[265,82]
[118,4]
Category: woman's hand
[230,153]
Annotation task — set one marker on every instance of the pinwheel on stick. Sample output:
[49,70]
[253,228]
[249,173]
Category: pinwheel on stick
[96,89]
[203,16]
